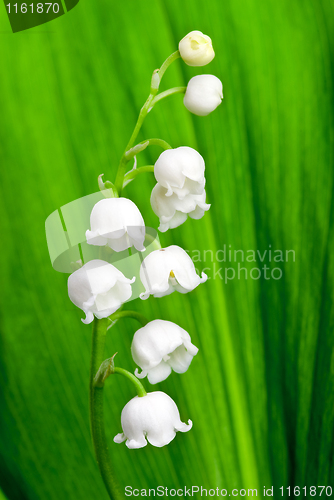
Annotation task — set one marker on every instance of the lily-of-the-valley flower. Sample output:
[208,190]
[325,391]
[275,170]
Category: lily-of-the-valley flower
[159,347]
[99,289]
[116,222]
[172,211]
[154,417]
[204,93]
[196,49]
[180,171]
[168,269]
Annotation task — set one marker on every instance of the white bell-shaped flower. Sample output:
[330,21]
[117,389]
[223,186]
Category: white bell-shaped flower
[99,289]
[159,347]
[168,269]
[180,171]
[172,211]
[204,93]
[116,222]
[196,49]
[154,417]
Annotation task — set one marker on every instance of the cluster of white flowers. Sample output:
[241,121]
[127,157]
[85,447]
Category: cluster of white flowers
[100,289]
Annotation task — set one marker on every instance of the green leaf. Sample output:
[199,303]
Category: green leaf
[260,391]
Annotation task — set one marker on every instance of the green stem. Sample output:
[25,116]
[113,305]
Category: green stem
[154,240]
[139,386]
[133,173]
[96,412]
[122,165]
[159,142]
[168,62]
[162,95]
[149,142]
[142,115]
[129,314]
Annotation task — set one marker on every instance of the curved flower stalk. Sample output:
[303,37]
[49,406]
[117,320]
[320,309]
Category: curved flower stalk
[116,222]
[203,95]
[99,289]
[154,417]
[196,49]
[172,211]
[180,171]
[169,269]
[160,347]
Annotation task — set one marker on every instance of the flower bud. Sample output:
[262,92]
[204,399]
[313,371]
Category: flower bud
[116,222]
[172,211]
[204,93]
[155,81]
[180,171]
[107,188]
[196,49]
[99,289]
[168,269]
[159,347]
[154,417]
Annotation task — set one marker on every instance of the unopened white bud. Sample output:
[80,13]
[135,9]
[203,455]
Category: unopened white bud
[204,93]
[196,49]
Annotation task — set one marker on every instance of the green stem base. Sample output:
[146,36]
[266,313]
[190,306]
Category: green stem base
[96,412]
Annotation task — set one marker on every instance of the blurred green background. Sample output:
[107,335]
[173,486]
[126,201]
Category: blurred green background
[260,391]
